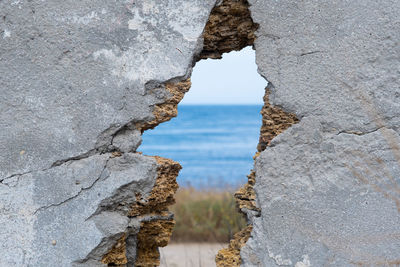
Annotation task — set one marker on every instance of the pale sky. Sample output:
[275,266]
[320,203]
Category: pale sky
[230,80]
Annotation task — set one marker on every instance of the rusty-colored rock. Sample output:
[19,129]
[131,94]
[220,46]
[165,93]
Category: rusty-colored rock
[117,255]
[156,233]
[167,110]
[274,122]
[245,196]
[153,234]
[229,27]
[162,194]
[228,257]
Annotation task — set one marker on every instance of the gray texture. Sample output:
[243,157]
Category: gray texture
[74,73]
[75,78]
[56,217]
[329,187]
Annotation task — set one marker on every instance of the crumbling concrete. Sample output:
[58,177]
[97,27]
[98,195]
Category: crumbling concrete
[80,81]
[229,27]
[328,186]
[274,122]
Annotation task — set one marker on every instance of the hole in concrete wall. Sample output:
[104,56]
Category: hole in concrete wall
[214,138]
[229,28]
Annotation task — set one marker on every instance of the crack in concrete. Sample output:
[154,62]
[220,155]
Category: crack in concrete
[88,154]
[311,52]
[361,133]
[74,158]
[3,181]
[16,174]
[58,163]
[77,194]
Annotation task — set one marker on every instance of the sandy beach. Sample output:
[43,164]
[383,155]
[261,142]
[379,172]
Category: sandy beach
[190,254]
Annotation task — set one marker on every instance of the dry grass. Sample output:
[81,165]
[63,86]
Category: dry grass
[205,216]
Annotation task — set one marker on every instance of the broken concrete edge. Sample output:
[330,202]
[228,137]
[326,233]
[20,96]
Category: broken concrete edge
[117,255]
[162,194]
[167,110]
[274,122]
[152,235]
[116,216]
[231,256]
[127,138]
[144,211]
[156,223]
[118,139]
[156,233]
[229,28]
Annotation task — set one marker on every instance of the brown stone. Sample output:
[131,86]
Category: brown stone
[117,255]
[162,194]
[274,122]
[152,235]
[167,110]
[245,196]
[230,256]
[229,27]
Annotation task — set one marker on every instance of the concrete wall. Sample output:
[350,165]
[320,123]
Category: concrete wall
[81,80]
[328,187]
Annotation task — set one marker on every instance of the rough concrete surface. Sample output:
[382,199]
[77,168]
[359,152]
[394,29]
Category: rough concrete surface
[81,80]
[328,187]
[76,78]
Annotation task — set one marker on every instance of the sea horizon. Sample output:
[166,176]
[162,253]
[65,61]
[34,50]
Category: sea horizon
[214,143]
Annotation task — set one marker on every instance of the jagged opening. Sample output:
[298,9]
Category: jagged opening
[230,28]
[214,138]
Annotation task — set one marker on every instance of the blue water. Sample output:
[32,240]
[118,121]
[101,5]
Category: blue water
[215,144]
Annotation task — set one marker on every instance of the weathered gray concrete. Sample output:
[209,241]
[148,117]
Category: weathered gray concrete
[75,77]
[74,73]
[329,187]
[62,218]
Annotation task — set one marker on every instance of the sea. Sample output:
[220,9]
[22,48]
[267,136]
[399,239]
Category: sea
[215,144]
